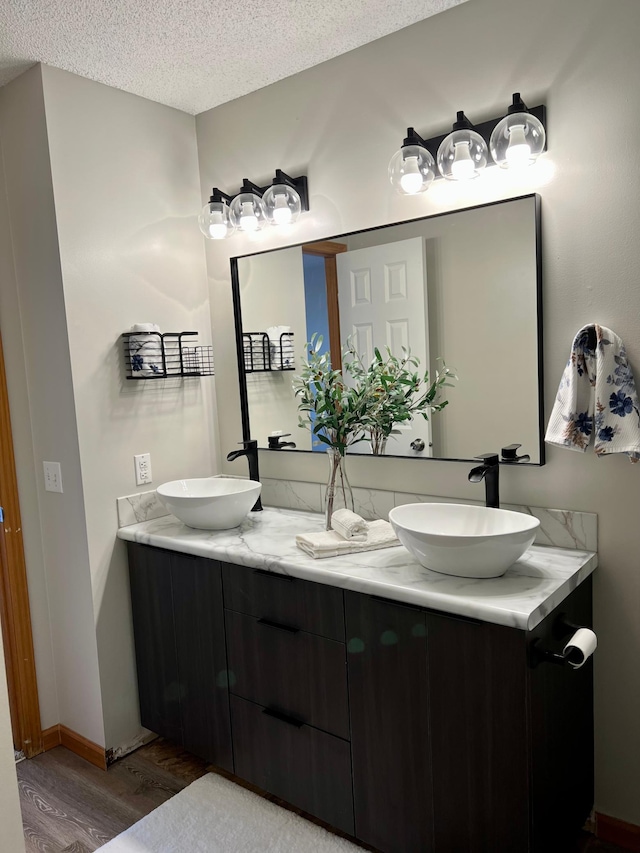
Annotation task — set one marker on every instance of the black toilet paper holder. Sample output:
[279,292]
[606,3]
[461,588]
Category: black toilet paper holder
[570,656]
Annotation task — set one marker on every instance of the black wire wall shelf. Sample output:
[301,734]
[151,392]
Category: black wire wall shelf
[264,355]
[156,355]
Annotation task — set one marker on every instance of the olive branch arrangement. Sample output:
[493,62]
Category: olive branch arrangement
[345,407]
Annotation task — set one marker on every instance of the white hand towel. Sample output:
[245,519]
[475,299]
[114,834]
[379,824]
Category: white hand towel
[145,350]
[328,543]
[349,525]
[597,397]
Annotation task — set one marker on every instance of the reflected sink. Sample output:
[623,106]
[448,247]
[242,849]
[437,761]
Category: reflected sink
[210,503]
[462,540]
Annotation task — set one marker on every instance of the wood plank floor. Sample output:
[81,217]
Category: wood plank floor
[70,806]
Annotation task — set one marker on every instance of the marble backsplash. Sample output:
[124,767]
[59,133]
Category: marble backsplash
[560,528]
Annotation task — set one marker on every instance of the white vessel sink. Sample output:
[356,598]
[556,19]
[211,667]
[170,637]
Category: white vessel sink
[210,503]
[462,540]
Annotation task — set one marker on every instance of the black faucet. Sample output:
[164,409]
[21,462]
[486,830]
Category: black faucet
[276,444]
[250,450]
[488,471]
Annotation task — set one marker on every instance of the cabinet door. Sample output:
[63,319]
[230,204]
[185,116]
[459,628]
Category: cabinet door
[477,702]
[155,640]
[387,664]
[202,660]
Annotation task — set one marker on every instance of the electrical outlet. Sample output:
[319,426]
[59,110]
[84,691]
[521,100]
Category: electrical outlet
[52,476]
[143,468]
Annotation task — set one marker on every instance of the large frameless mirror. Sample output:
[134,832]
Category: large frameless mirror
[464,287]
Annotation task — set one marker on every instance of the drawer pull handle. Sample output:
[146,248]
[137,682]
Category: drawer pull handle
[271,624]
[402,604]
[274,575]
[284,718]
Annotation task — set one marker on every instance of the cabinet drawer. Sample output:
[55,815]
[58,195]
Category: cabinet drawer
[298,673]
[306,767]
[309,606]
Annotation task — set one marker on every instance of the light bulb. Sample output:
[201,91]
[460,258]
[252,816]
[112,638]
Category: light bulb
[214,220]
[412,168]
[411,180]
[519,138]
[518,151]
[217,226]
[462,168]
[248,219]
[281,212]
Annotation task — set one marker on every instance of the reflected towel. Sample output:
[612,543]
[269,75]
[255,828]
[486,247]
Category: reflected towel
[328,543]
[281,347]
[349,525]
[597,397]
[145,350]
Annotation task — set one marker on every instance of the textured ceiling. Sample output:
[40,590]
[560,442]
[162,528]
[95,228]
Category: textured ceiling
[194,54]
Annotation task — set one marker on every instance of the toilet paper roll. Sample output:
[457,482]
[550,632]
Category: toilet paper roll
[580,647]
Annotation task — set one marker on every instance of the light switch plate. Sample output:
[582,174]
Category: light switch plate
[52,476]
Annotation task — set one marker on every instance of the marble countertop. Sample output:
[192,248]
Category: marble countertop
[530,589]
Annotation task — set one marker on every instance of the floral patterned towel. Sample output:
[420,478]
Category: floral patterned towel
[597,396]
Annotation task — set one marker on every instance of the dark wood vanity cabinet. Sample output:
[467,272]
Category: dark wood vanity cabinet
[413,730]
[180,650]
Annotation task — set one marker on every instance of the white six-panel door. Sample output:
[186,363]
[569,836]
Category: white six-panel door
[382,297]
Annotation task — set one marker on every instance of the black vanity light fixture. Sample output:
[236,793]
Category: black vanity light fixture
[512,141]
[254,207]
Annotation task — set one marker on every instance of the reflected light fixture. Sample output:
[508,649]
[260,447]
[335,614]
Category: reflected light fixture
[519,138]
[254,207]
[510,141]
[412,169]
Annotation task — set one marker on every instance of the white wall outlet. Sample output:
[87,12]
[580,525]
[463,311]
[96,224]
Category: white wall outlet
[143,468]
[52,476]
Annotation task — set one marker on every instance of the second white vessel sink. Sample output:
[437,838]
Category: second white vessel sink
[210,503]
[463,540]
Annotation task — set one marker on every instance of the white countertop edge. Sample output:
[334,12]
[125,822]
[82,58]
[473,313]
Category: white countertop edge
[343,573]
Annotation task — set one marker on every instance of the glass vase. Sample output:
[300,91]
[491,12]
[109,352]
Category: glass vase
[378,443]
[338,492]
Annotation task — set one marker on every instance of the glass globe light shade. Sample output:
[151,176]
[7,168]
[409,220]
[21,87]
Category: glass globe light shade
[247,212]
[214,220]
[462,155]
[282,204]
[517,140]
[412,170]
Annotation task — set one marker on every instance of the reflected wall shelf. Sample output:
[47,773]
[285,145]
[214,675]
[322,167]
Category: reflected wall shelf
[264,355]
[155,355]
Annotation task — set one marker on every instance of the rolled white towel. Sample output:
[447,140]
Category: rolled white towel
[349,525]
[145,350]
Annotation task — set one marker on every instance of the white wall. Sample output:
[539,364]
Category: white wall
[126,190]
[11,329]
[340,122]
[272,294]
[54,528]
[102,191]
[10,815]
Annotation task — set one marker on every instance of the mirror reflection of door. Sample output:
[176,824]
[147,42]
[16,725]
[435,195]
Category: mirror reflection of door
[382,296]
